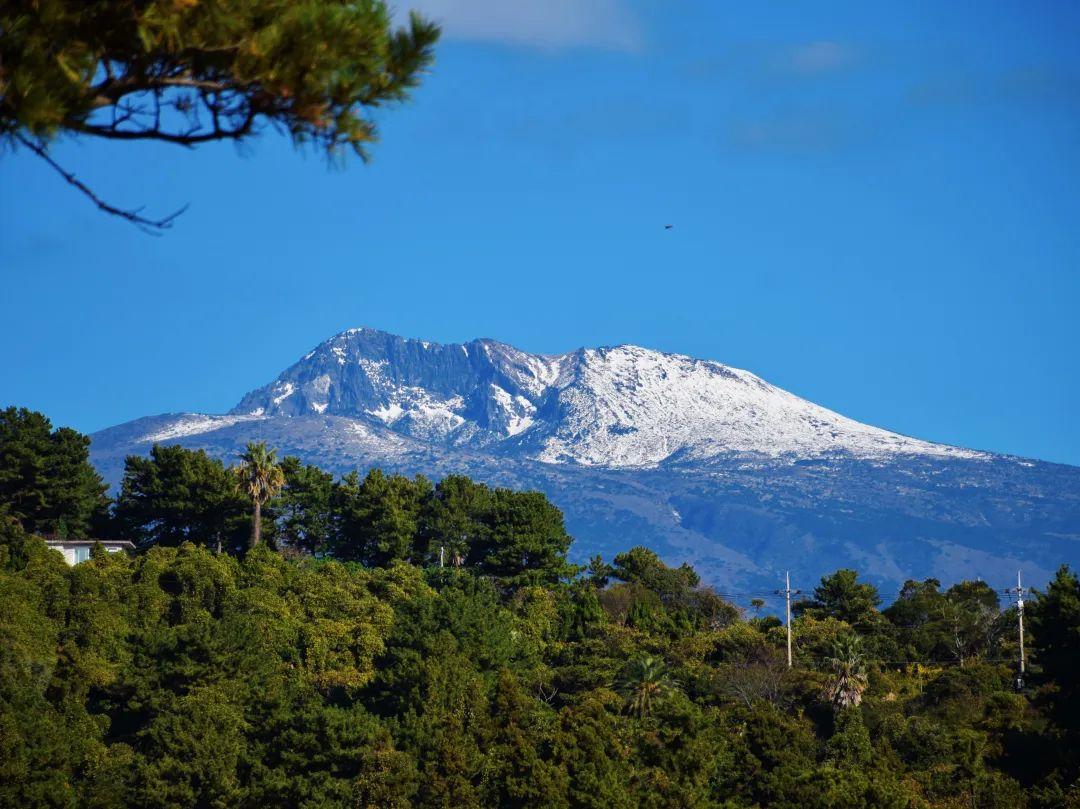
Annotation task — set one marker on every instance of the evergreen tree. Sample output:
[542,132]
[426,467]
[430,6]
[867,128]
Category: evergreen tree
[378,517]
[179,495]
[916,617]
[973,621]
[850,743]
[843,597]
[455,519]
[1054,619]
[582,615]
[599,571]
[526,541]
[682,602]
[46,480]
[303,514]
[187,73]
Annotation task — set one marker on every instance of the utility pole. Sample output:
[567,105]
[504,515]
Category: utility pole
[787,593]
[1020,617]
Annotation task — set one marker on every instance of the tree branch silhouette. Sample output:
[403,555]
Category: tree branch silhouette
[145,224]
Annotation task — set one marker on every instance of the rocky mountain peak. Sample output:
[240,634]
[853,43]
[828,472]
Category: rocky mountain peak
[612,406]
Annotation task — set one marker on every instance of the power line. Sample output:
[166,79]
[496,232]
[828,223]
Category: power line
[779,594]
[950,662]
[788,592]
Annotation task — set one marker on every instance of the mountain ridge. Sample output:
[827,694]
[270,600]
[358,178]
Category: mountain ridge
[704,462]
[610,406]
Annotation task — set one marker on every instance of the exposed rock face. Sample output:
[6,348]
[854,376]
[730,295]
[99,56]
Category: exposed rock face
[704,462]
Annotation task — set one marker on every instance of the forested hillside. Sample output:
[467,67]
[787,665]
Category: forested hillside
[394,642]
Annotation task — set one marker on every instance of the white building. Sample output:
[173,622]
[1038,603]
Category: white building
[78,550]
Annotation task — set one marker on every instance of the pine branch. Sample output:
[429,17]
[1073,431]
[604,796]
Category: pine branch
[150,226]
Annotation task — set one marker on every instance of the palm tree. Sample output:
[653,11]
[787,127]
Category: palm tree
[849,673]
[643,682]
[260,477]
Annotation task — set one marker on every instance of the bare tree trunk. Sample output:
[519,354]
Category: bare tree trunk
[256,524]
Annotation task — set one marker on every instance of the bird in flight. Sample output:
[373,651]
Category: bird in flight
[668,227]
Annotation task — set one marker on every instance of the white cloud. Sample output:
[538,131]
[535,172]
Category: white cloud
[534,23]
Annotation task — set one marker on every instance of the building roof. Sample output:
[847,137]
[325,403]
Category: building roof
[121,542]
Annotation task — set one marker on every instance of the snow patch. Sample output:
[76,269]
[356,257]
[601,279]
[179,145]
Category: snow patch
[375,369]
[517,411]
[388,413]
[193,424]
[287,389]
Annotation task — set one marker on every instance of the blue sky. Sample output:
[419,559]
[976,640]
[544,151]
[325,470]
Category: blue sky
[875,208]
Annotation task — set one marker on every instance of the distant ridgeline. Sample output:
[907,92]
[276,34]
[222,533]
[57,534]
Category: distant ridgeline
[396,643]
[702,462]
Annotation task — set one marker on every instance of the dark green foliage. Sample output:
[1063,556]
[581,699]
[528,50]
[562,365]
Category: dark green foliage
[916,616]
[1054,618]
[850,743]
[599,572]
[525,542]
[46,480]
[582,615]
[517,537]
[642,566]
[456,520]
[186,72]
[643,683]
[303,514]
[842,597]
[185,677]
[179,495]
[181,71]
[377,517]
[657,597]
[962,622]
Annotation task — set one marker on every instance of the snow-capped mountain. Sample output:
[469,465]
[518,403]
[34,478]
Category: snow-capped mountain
[705,462]
[616,407]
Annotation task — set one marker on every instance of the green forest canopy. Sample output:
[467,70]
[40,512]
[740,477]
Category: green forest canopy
[339,665]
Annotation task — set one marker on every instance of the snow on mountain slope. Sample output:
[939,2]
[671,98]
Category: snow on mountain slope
[614,407]
[343,442]
[630,406]
[190,424]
